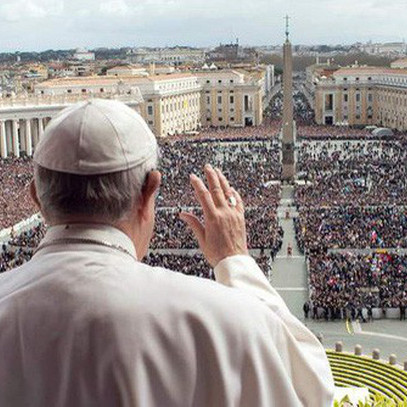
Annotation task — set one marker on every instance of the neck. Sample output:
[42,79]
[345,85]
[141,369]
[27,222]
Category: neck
[124,226]
[96,233]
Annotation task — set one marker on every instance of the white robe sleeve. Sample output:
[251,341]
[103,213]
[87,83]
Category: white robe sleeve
[302,354]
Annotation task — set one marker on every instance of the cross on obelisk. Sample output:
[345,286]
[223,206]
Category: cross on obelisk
[288,172]
[287,31]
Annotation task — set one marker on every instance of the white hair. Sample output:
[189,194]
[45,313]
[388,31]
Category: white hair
[108,196]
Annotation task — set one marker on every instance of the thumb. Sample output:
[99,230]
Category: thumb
[195,225]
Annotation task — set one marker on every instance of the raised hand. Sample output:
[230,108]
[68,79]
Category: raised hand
[223,233]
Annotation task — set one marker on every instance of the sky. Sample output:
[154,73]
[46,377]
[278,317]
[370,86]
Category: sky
[36,25]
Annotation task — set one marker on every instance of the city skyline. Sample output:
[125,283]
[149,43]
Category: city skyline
[36,25]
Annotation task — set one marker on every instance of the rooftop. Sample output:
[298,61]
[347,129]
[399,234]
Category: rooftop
[226,72]
[126,67]
[400,60]
[366,70]
[108,80]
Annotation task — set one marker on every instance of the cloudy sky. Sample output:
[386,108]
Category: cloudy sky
[34,25]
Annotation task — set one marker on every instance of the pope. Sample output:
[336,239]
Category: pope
[86,323]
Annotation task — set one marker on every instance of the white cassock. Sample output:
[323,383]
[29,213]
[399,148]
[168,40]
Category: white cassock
[87,325]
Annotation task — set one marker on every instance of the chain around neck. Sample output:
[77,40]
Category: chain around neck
[73,240]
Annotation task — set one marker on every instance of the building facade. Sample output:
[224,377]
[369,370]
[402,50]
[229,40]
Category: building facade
[180,102]
[399,63]
[270,79]
[231,98]
[361,96]
[171,102]
[171,56]
[388,48]
[127,70]
[140,70]
[84,55]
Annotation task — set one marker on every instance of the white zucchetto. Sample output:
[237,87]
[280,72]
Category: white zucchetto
[95,137]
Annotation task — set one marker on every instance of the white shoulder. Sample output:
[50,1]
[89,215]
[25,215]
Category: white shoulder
[240,310]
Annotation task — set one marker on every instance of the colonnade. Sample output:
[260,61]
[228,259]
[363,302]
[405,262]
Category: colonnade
[19,136]
[23,121]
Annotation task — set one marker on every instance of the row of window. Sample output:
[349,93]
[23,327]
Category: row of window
[101,90]
[220,81]
[169,120]
[220,110]
[396,100]
[219,99]
[219,91]
[358,97]
[178,85]
[357,79]
[345,117]
[388,97]
[220,119]
[174,105]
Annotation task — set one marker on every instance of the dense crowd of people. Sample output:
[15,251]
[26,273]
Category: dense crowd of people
[16,204]
[358,173]
[268,129]
[350,285]
[352,227]
[20,247]
[274,110]
[196,264]
[352,197]
[314,131]
[247,158]
[262,227]
[249,165]
[303,113]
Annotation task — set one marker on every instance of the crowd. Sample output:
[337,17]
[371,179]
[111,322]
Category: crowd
[350,285]
[352,227]
[268,129]
[20,248]
[274,110]
[353,196]
[263,230]
[196,265]
[251,162]
[303,113]
[321,132]
[249,165]
[16,204]
[352,173]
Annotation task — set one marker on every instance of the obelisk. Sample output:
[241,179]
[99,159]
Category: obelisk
[288,115]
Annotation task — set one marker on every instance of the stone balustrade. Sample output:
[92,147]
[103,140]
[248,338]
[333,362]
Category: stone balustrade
[133,96]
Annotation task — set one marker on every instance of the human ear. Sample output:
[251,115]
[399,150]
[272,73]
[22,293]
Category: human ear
[33,194]
[149,190]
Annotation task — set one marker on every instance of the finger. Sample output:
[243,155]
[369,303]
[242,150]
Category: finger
[214,186]
[224,183]
[239,200]
[195,225]
[202,195]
